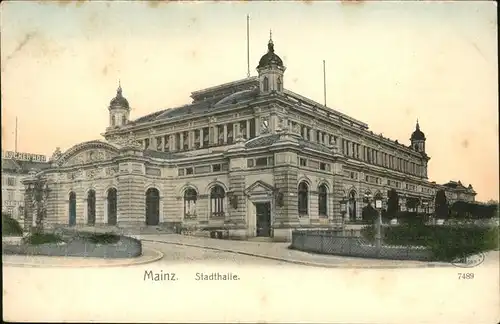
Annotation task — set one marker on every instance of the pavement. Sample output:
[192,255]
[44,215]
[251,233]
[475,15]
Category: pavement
[281,252]
[149,255]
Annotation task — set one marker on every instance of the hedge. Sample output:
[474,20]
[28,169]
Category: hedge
[446,243]
[10,226]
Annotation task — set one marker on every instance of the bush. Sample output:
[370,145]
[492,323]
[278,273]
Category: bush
[445,242]
[106,238]
[42,238]
[10,226]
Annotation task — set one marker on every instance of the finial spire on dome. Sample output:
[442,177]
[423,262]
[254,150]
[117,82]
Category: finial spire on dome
[418,126]
[270,45]
[119,90]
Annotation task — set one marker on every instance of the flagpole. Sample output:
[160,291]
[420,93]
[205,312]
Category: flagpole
[248,46]
[324,81]
[15,145]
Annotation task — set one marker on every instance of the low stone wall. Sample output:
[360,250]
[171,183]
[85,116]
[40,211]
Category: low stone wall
[74,246]
[350,243]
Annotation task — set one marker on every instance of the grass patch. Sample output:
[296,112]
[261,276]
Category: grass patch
[10,226]
[42,238]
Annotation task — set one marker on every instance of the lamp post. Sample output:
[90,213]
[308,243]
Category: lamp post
[425,204]
[378,222]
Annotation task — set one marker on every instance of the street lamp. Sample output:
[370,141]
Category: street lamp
[378,226]
[378,222]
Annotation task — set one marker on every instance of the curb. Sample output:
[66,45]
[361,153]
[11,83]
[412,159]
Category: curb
[309,263]
[141,260]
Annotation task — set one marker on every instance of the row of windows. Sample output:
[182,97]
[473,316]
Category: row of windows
[303,200]
[303,162]
[379,158]
[260,162]
[204,137]
[217,200]
[218,167]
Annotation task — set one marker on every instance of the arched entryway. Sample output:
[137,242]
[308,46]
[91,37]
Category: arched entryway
[72,209]
[91,207]
[112,206]
[352,205]
[152,206]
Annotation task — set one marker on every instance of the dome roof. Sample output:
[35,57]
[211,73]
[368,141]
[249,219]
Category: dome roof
[417,135]
[119,100]
[270,57]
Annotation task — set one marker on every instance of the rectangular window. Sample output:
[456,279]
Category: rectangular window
[250,163]
[181,172]
[252,128]
[216,167]
[11,181]
[322,166]
[10,195]
[303,162]
[225,166]
[189,171]
[261,162]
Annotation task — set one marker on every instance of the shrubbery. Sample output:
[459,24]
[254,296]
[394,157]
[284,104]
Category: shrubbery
[10,226]
[445,242]
[42,238]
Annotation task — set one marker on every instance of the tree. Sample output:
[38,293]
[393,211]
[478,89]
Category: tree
[392,203]
[441,205]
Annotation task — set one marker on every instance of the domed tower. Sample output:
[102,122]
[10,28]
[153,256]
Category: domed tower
[418,140]
[119,109]
[270,70]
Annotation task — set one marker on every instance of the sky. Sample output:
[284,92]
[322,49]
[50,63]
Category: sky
[387,64]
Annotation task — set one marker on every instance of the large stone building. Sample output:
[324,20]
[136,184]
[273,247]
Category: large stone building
[249,156]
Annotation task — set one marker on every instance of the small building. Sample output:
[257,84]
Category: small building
[15,167]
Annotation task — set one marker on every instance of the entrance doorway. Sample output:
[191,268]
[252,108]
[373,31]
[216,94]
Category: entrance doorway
[152,207]
[263,211]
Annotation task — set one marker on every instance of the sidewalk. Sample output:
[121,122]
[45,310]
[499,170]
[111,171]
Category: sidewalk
[148,256]
[281,252]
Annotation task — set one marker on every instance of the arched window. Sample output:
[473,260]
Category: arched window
[190,197]
[72,209]
[217,195]
[303,198]
[266,84]
[124,120]
[91,207]
[113,120]
[279,84]
[322,201]
[112,206]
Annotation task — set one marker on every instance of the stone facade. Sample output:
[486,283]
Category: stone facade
[246,156]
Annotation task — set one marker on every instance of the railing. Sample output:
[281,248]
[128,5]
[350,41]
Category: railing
[352,243]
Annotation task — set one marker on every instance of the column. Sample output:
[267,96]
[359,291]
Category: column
[257,126]
[225,133]
[248,129]
[212,135]
[201,137]
[181,141]
[312,138]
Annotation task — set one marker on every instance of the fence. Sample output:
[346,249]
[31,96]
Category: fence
[351,243]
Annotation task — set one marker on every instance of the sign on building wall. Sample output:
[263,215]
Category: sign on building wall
[24,156]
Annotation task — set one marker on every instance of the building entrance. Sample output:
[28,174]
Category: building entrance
[263,211]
